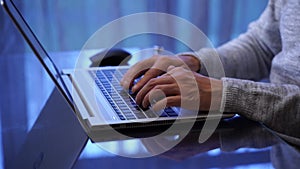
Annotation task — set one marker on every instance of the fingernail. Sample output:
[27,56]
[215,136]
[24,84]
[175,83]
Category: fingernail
[133,89]
[154,108]
[137,102]
[144,105]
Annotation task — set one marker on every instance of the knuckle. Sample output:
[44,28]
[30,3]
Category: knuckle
[159,58]
[165,59]
[152,82]
[151,72]
[158,87]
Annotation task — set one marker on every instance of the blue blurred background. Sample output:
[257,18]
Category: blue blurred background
[67,25]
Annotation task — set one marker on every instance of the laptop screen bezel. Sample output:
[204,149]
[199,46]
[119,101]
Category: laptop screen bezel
[54,72]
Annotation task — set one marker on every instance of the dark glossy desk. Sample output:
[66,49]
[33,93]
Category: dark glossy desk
[238,143]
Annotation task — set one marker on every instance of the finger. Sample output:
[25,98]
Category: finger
[158,68]
[130,83]
[160,92]
[136,71]
[167,102]
[150,74]
[150,85]
[130,76]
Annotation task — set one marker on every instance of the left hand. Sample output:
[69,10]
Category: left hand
[180,87]
[154,67]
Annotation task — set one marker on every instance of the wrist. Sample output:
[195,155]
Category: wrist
[211,92]
[191,61]
[216,93]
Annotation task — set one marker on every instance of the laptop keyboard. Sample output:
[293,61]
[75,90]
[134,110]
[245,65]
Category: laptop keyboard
[121,101]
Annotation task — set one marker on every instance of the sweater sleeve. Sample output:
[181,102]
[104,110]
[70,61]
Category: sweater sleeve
[275,105]
[250,55]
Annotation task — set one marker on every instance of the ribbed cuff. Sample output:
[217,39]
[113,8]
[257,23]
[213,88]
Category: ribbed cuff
[236,97]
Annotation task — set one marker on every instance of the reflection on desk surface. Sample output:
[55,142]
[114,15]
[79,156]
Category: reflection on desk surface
[236,143]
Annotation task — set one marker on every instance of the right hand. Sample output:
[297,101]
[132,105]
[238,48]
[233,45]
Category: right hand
[154,67]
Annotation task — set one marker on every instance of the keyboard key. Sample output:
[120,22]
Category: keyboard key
[150,114]
[139,114]
[122,117]
[131,118]
[163,114]
[121,101]
[170,112]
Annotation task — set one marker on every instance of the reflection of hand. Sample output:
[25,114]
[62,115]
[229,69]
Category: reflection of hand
[230,136]
[189,146]
[182,88]
[154,67]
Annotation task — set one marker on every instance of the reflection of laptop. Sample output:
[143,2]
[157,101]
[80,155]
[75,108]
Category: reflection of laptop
[95,94]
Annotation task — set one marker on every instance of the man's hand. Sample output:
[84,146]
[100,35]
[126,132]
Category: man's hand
[183,88]
[154,67]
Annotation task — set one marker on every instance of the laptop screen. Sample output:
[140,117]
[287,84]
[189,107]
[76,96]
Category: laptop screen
[57,31]
[16,11]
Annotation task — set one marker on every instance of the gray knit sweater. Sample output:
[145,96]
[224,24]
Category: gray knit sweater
[270,48]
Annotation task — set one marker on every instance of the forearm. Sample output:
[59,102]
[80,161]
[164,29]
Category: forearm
[246,57]
[250,55]
[277,106]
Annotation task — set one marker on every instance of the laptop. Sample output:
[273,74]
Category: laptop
[96,96]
